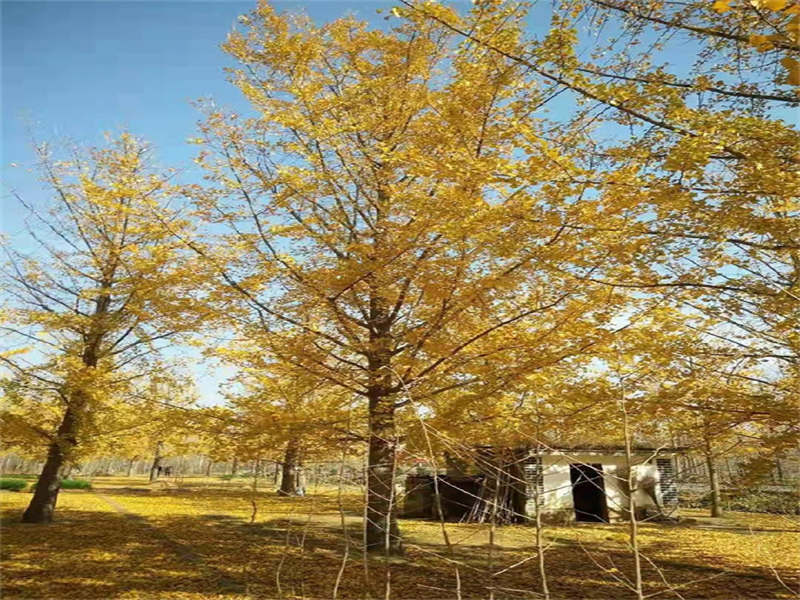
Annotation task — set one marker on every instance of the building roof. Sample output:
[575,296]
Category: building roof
[599,448]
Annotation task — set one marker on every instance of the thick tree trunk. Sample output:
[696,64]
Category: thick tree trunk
[156,461]
[43,503]
[713,481]
[292,483]
[208,467]
[130,467]
[234,465]
[382,531]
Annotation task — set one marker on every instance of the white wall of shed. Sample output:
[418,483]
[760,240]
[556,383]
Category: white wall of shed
[557,482]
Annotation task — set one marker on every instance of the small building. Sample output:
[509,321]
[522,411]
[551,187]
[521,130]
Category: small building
[584,484]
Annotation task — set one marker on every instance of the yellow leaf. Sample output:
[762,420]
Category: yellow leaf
[793,68]
[762,43]
[775,5]
[721,6]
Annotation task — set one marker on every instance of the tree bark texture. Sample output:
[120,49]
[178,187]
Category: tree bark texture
[382,530]
[45,496]
[292,483]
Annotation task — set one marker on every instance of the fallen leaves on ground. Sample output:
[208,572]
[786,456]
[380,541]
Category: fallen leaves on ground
[129,539]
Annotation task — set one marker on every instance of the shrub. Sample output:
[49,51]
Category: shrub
[76,484]
[14,485]
[70,484]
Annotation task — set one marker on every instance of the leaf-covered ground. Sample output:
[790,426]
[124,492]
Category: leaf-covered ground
[130,539]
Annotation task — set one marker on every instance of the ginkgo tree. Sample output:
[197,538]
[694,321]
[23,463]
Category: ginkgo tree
[91,297]
[384,230]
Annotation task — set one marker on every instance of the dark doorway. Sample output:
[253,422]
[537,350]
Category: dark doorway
[589,493]
[459,495]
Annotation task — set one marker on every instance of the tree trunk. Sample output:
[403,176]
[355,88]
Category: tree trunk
[156,461]
[208,467]
[234,465]
[292,478]
[382,531]
[713,481]
[43,503]
[130,467]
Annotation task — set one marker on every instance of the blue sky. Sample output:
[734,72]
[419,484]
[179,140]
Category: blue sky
[81,68]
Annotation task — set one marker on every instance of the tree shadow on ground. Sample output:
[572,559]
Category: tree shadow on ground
[93,555]
[301,556]
[111,555]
